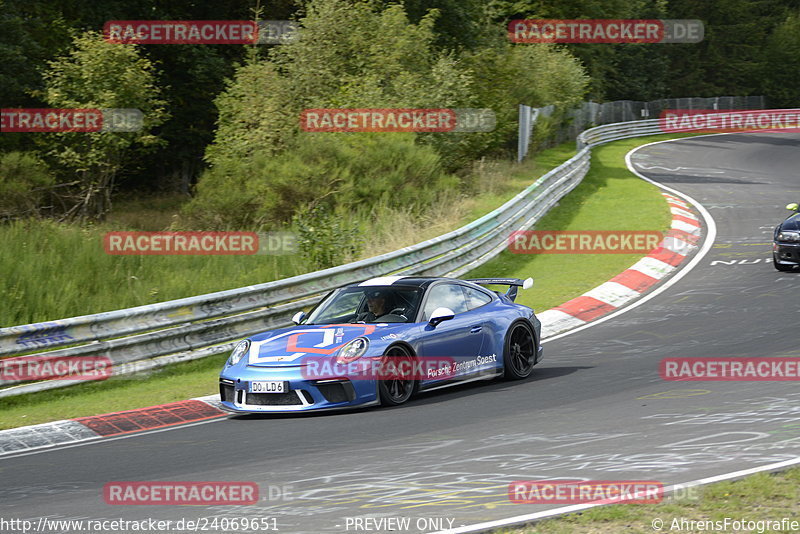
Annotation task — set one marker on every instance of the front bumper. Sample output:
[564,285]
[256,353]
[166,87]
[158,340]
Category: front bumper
[786,253]
[303,394]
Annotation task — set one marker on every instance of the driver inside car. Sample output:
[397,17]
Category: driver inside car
[376,305]
[379,303]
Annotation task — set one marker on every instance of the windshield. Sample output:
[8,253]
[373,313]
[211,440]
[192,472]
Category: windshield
[368,304]
[792,224]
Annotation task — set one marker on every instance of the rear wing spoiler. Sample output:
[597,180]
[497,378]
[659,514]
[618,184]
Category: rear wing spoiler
[513,283]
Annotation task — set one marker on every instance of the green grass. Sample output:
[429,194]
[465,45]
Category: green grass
[609,198]
[758,497]
[49,248]
[502,181]
[59,270]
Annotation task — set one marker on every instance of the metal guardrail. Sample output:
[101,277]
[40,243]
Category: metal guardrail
[595,113]
[155,335]
[616,131]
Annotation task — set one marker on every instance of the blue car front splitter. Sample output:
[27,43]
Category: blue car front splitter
[258,389]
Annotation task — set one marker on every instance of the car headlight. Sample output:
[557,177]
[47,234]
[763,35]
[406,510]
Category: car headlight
[789,236]
[239,351]
[353,350]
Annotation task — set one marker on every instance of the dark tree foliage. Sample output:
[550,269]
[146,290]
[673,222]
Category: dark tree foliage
[732,57]
[461,23]
[781,69]
[34,31]
[746,43]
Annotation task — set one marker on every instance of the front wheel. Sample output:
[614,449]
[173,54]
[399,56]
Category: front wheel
[398,384]
[520,351]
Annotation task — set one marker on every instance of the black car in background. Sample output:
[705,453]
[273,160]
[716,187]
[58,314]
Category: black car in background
[786,242]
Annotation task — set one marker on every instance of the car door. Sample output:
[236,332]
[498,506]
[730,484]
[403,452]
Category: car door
[476,300]
[459,338]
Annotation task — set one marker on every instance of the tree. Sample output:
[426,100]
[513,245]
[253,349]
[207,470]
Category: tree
[100,75]
[616,71]
[255,114]
[781,68]
[730,59]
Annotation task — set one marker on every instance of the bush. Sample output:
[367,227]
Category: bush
[337,170]
[324,239]
[24,183]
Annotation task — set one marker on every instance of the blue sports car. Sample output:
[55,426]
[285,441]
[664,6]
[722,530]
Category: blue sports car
[382,340]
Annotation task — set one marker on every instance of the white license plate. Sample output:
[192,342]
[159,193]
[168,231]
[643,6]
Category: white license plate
[267,386]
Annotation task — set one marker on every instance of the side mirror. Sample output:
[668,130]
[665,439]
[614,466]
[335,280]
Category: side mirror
[439,315]
[793,206]
[298,317]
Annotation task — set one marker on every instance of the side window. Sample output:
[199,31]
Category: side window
[445,296]
[475,298]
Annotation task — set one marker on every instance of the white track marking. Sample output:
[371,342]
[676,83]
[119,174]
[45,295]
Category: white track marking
[686,227]
[683,213]
[653,268]
[613,293]
[522,519]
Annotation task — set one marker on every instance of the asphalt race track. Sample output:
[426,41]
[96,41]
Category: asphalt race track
[596,408]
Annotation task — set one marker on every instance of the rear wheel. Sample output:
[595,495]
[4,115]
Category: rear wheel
[399,384]
[520,351]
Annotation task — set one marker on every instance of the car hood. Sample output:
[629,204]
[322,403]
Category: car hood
[291,346]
